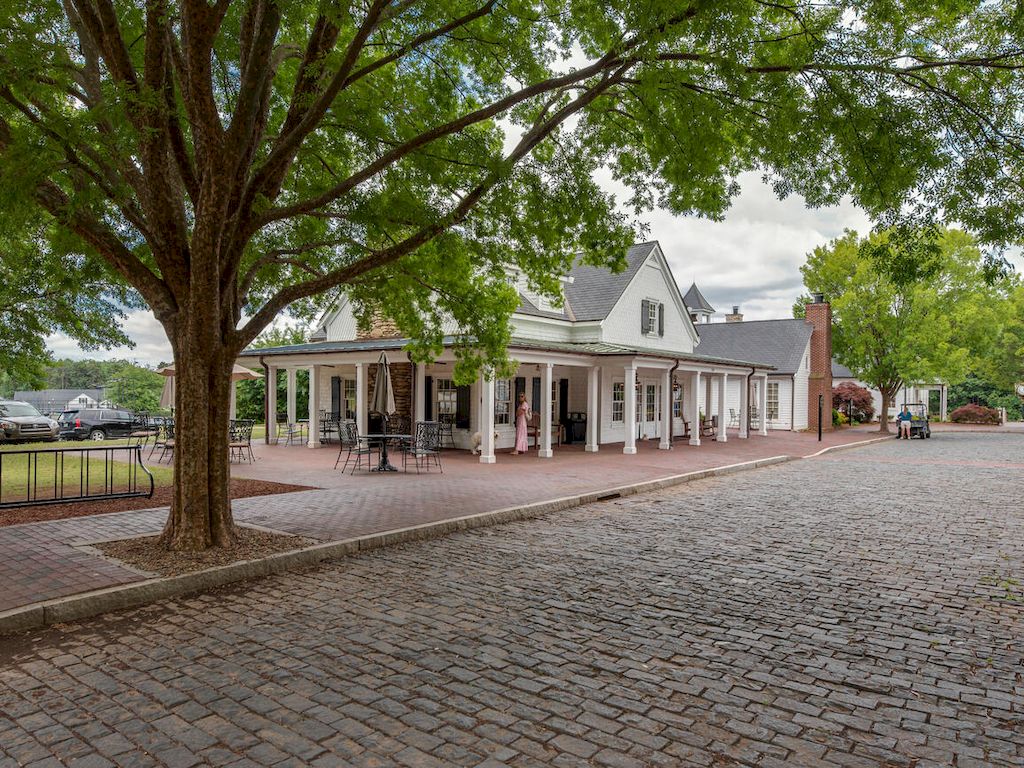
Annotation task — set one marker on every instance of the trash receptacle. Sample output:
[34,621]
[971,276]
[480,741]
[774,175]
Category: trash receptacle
[577,431]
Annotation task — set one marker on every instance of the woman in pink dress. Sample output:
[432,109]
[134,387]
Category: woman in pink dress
[522,418]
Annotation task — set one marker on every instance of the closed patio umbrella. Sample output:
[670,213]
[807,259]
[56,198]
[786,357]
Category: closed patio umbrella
[383,402]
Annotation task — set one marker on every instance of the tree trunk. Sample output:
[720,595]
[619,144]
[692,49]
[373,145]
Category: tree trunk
[883,419]
[200,514]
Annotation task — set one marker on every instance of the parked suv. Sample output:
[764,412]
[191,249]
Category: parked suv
[95,424]
[20,421]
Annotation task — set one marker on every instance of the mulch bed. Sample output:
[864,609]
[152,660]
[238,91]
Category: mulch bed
[241,488]
[146,553]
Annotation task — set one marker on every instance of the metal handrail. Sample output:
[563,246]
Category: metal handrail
[63,492]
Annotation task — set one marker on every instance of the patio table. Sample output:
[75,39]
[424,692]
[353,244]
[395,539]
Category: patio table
[384,465]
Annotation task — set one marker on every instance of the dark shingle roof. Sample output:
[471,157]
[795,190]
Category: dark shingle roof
[57,394]
[778,343]
[527,307]
[840,371]
[694,300]
[594,291]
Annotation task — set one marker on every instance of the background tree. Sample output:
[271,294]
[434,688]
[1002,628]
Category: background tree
[233,159]
[46,289]
[908,306]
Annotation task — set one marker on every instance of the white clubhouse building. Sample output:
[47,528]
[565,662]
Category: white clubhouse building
[621,353]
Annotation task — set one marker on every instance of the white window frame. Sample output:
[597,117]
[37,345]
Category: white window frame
[772,403]
[618,401]
[348,387]
[677,400]
[503,390]
[446,400]
[652,316]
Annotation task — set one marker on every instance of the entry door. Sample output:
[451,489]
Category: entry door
[649,407]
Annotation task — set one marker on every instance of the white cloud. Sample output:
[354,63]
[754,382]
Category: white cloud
[151,345]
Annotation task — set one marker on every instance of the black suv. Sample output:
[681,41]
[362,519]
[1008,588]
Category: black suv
[95,424]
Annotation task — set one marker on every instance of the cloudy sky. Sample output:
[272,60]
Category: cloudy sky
[752,259]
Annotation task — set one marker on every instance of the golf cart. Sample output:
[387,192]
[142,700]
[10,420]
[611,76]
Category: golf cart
[919,426]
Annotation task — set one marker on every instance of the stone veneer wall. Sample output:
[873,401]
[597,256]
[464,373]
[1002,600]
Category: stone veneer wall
[401,382]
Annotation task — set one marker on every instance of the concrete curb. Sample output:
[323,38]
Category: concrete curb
[858,444]
[88,604]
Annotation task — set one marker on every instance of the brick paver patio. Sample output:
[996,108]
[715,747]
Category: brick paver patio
[815,613]
[43,561]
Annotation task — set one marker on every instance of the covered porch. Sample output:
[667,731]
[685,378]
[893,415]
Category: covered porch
[585,397]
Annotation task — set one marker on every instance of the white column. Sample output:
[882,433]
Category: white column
[233,405]
[272,404]
[744,407]
[666,409]
[292,417]
[762,407]
[545,411]
[421,386]
[486,388]
[708,380]
[630,444]
[361,398]
[315,374]
[943,404]
[723,421]
[593,393]
[695,409]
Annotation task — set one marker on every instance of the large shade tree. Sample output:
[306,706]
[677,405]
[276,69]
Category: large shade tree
[234,159]
[908,306]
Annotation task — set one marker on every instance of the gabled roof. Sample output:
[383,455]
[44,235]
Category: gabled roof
[840,371]
[695,301]
[594,291]
[778,343]
[527,307]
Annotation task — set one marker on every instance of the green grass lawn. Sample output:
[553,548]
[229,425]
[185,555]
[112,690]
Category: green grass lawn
[51,468]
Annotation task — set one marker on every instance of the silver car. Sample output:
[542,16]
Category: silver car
[21,422]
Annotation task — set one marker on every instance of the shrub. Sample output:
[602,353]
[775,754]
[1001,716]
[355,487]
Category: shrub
[863,405]
[838,418]
[974,414]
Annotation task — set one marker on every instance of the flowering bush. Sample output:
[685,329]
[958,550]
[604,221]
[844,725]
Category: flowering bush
[863,405]
[974,414]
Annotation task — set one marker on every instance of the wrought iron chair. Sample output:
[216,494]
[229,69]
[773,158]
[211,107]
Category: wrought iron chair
[446,427]
[399,424]
[734,419]
[241,440]
[329,427]
[144,430]
[295,433]
[353,448]
[166,441]
[425,447]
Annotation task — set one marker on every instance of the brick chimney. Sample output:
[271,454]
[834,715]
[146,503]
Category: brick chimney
[819,315]
[736,316]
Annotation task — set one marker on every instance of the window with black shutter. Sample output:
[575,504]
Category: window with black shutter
[428,398]
[661,319]
[535,398]
[645,316]
[462,407]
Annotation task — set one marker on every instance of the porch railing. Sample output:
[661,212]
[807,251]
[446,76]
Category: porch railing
[61,475]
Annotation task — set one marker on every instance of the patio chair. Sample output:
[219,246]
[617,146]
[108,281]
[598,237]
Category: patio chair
[709,427]
[533,430]
[330,427]
[241,440]
[143,431]
[734,419]
[425,447]
[399,424]
[353,447]
[166,441]
[446,425]
[295,433]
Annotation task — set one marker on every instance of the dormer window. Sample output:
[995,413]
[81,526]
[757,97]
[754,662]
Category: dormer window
[652,318]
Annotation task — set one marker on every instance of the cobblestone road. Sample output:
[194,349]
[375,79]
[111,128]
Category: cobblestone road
[861,609]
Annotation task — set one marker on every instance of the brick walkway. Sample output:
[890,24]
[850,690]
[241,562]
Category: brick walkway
[816,613]
[43,561]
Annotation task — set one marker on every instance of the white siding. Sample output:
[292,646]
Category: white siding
[622,326]
[341,325]
[799,404]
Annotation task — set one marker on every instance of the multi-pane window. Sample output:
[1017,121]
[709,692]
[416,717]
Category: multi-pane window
[502,401]
[651,403]
[447,398]
[348,395]
[773,400]
[652,316]
[554,402]
[677,401]
[618,401]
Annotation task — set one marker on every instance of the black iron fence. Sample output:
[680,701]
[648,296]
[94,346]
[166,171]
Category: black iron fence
[60,475]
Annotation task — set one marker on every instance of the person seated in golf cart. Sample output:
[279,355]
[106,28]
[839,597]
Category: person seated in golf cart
[903,423]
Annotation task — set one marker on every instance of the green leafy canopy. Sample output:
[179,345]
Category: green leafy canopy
[231,160]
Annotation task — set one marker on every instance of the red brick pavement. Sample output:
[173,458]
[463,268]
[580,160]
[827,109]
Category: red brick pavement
[43,561]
